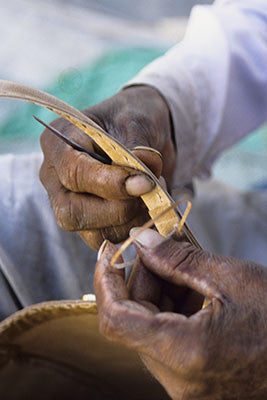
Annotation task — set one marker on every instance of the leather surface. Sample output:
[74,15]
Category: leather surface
[54,349]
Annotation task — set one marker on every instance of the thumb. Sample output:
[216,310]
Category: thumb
[151,157]
[182,264]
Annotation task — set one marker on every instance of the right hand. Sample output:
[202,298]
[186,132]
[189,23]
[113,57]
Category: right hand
[101,201]
[215,353]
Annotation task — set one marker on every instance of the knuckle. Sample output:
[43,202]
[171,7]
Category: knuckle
[92,238]
[176,255]
[126,210]
[123,214]
[42,174]
[71,172]
[66,214]
[185,256]
[135,118]
[136,128]
[67,173]
[48,179]
[115,234]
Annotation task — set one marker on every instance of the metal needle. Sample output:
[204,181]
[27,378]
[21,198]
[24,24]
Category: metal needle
[74,145]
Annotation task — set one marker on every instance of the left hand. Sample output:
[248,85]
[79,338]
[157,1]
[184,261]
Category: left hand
[215,353]
[102,201]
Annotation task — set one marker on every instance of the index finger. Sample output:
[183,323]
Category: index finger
[78,172]
[135,326]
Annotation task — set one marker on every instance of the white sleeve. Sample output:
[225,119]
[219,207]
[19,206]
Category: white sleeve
[214,81]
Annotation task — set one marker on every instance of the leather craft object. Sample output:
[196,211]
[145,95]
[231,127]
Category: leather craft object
[53,351]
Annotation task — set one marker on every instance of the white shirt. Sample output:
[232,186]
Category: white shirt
[214,81]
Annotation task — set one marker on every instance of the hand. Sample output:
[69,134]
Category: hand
[219,352]
[101,201]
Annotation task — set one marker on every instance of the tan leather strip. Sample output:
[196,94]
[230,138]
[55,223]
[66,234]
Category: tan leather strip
[156,201]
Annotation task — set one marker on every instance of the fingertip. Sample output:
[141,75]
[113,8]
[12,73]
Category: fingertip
[104,257]
[138,185]
[151,157]
[92,238]
[106,251]
[101,249]
[147,238]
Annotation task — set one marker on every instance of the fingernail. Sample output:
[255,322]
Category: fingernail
[146,148]
[138,184]
[101,249]
[148,237]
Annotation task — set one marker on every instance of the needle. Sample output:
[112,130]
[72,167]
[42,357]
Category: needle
[74,145]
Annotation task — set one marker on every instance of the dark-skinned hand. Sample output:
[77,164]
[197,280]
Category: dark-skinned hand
[101,201]
[215,353]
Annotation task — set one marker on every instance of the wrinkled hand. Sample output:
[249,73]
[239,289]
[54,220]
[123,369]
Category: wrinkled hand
[101,201]
[219,352]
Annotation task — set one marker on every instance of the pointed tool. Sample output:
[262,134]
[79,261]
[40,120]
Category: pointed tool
[74,145]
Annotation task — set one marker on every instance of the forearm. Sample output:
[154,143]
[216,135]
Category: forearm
[214,82]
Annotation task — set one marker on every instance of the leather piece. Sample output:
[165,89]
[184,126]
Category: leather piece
[54,349]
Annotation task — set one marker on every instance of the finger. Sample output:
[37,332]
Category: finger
[143,285]
[224,279]
[166,296]
[115,234]
[112,296]
[93,238]
[75,212]
[133,325]
[79,172]
[148,289]
[109,283]
[153,238]
[183,264]
[78,211]
[152,159]
[52,145]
